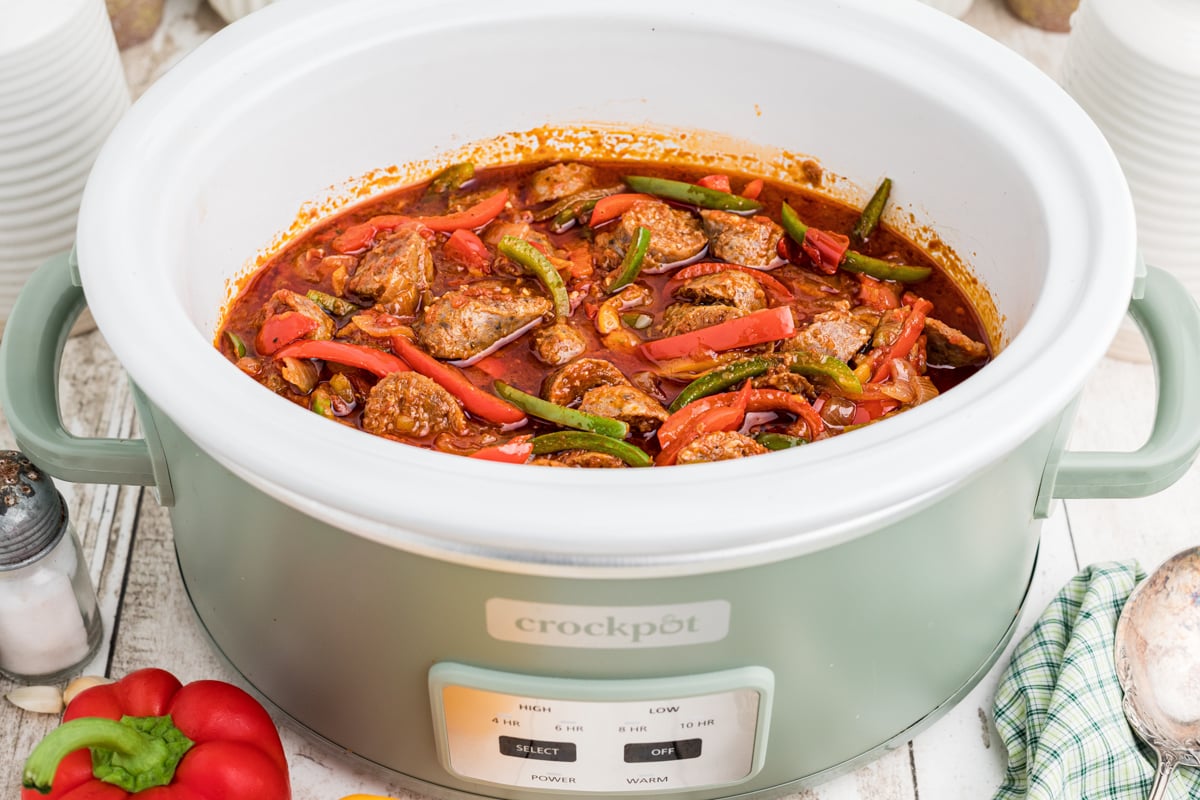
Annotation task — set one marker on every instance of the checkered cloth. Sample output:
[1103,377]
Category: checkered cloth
[1058,707]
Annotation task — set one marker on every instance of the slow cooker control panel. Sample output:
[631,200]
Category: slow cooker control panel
[629,736]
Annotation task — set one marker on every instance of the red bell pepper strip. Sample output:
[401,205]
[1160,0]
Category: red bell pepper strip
[910,331]
[516,450]
[876,294]
[472,218]
[475,400]
[775,287]
[282,329]
[466,248]
[374,361]
[148,736]
[753,189]
[758,400]
[718,182]
[613,206]
[825,249]
[359,237]
[768,325]
[726,416]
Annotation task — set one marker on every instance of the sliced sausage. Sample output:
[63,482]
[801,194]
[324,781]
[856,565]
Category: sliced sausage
[395,272]
[950,347]
[719,446]
[557,344]
[675,235]
[559,181]
[685,317]
[633,406]
[568,384]
[409,404]
[730,288]
[751,241]
[467,321]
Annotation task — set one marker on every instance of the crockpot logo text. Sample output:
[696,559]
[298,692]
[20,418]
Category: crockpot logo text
[610,627]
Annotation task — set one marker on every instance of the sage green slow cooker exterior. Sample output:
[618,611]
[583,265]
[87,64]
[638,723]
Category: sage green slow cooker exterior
[867,641]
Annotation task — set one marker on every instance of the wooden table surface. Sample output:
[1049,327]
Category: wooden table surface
[149,622]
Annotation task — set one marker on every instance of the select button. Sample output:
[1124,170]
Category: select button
[644,752]
[532,748]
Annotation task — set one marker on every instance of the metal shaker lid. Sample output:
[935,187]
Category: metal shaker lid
[33,515]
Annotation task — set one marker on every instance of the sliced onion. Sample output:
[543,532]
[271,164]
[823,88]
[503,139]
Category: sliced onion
[496,345]
[661,268]
[754,419]
[300,373]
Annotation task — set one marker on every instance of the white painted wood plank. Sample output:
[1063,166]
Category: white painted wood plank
[962,755]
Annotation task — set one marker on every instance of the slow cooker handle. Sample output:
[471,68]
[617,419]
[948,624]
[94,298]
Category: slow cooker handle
[1170,321]
[30,353]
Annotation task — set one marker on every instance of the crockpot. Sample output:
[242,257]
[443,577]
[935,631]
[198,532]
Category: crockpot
[712,630]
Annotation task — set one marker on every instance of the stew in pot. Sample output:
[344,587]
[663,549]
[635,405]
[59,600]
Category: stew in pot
[603,315]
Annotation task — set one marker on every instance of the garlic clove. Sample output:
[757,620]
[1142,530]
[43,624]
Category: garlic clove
[82,683]
[38,699]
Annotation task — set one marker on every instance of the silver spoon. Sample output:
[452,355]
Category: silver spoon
[1158,664]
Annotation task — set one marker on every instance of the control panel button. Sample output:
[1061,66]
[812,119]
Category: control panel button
[533,748]
[645,752]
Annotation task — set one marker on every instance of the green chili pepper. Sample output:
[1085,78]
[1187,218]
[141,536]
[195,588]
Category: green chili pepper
[532,259]
[869,219]
[334,305]
[566,219]
[791,223]
[561,415]
[691,194]
[884,270]
[720,379]
[852,261]
[452,177]
[631,265]
[811,365]
[575,440]
[575,203]
[779,441]
[235,341]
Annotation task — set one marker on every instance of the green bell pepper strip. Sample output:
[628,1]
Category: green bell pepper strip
[575,204]
[631,265]
[779,441]
[811,365]
[853,261]
[451,177]
[532,259]
[333,305]
[884,270]
[691,194]
[561,415]
[872,211]
[720,379]
[576,440]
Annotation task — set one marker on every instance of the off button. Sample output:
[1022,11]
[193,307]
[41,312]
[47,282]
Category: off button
[645,752]
[532,748]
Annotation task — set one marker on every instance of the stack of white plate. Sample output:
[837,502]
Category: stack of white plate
[1135,68]
[62,89]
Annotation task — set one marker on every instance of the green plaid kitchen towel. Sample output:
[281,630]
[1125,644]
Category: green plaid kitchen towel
[1058,706]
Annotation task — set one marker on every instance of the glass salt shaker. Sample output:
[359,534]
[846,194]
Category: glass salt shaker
[49,621]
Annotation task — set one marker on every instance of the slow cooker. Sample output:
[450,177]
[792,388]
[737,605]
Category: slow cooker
[707,631]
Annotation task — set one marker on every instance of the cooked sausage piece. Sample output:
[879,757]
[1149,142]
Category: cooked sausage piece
[740,240]
[395,272]
[633,406]
[559,181]
[719,446]
[950,347]
[685,317]
[835,333]
[409,404]
[730,287]
[467,321]
[566,385]
[674,235]
[557,344]
[579,458]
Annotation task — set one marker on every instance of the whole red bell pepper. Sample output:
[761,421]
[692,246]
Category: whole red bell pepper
[149,737]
